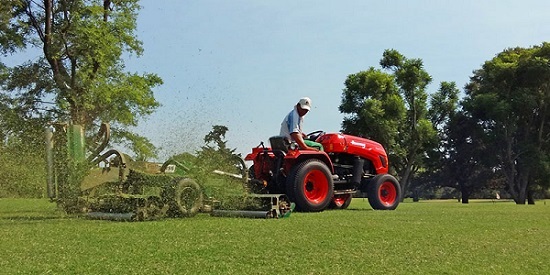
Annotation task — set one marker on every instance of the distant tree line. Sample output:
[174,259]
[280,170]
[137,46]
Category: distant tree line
[495,137]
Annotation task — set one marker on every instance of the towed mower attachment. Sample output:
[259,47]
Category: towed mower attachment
[272,206]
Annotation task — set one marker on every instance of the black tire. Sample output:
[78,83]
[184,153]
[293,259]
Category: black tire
[310,186]
[188,197]
[339,202]
[384,192]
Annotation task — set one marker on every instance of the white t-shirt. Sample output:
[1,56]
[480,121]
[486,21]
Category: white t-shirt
[291,124]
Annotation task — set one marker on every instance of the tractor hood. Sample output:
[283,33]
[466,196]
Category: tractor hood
[365,148]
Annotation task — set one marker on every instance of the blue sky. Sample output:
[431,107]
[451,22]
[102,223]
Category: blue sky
[245,63]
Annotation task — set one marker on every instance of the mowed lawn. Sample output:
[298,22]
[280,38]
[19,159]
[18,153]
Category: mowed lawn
[427,237]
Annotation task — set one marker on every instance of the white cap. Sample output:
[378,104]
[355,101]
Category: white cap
[305,103]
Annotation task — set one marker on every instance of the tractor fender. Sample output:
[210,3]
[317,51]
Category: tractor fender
[294,157]
[257,151]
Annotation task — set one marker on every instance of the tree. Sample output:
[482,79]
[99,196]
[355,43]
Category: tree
[79,76]
[416,133]
[391,108]
[373,105]
[466,163]
[454,162]
[215,155]
[443,108]
[509,98]
[443,104]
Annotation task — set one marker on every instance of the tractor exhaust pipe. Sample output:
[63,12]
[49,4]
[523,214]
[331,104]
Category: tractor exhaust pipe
[357,170]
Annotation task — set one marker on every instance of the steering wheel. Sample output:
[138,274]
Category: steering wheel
[314,135]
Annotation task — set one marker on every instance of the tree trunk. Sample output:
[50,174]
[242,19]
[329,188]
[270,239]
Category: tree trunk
[521,184]
[405,180]
[521,199]
[465,194]
[416,195]
[530,198]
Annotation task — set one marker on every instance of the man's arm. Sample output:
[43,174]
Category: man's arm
[300,140]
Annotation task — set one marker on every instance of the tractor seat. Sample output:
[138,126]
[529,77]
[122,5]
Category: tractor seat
[279,143]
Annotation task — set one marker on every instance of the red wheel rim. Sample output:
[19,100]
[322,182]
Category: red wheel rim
[339,200]
[315,186]
[387,193]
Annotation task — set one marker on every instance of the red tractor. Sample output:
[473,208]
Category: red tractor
[348,167]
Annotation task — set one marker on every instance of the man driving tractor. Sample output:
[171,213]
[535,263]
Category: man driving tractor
[291,127]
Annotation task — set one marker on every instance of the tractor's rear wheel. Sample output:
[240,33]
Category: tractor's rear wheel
[310,186]
[384,192]
[188,197]
[340,201]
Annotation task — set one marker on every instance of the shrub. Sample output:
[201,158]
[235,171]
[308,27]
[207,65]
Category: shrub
[22,174]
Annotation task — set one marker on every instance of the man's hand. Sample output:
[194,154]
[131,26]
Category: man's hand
[300,140]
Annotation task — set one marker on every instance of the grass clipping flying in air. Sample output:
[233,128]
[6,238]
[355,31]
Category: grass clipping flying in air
[228,189]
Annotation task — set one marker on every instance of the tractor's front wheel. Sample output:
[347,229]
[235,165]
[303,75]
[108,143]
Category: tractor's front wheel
[384,192]
[310,186]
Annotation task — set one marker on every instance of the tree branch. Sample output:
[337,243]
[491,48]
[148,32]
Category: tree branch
[34,22]
[106,9]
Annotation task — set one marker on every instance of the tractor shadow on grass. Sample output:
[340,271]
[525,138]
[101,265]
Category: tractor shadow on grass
[354,209]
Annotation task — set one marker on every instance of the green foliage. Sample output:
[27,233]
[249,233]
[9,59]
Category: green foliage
[22,173]
[509,98]
[22,169]
[391,108]
[79,77]
[12,37]
[443,104]
[69,186]
[374,106]
[215,155]
[141,146]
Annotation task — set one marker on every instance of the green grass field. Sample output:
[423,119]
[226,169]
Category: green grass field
[428,237]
